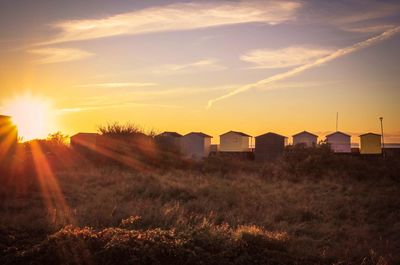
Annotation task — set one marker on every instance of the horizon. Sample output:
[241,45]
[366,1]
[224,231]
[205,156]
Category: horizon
[210,66]
[215,139]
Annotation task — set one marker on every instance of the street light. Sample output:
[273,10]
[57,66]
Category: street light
[383,139]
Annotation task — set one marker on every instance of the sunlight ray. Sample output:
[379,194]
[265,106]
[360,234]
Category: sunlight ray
[51,192]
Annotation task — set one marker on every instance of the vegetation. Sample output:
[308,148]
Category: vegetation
[309,207]
[127,129]
[58,139]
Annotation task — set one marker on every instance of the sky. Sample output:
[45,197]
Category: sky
[211,66]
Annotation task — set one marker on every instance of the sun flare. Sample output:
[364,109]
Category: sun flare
[32,116]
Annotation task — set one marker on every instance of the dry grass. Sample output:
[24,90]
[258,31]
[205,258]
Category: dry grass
[215,212]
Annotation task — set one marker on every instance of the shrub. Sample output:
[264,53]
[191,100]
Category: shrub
[57,139]
[117,129]
[199,245]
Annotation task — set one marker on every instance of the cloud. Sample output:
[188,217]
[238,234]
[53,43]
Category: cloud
[299,85]
[368,29]
[179,16]
[151,94]
[136,99]
[116,105]
[339,53]
[76,109]
[361,16]
[203,65]
[57,55]
[286,57]
[366,17]
[122,100]
[369,12]
[116,85]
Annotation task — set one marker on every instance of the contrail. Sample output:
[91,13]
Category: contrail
[339,53]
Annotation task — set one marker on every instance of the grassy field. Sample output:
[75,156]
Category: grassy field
[310,207]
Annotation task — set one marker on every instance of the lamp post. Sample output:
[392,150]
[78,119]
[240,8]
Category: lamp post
[383,139]
[337,120]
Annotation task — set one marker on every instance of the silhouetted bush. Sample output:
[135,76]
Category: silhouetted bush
[118,129]
[300,160]
[126,146]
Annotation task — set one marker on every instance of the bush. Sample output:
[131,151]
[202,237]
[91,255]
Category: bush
[117,129]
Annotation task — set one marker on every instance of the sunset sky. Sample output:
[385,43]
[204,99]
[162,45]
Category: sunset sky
[211,66]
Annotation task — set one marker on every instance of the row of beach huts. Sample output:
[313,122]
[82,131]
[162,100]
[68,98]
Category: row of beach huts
[267,146]
[198,145]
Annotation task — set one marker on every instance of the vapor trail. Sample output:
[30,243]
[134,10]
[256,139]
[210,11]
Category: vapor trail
[339,53]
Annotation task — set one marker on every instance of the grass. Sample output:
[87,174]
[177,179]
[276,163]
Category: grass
[307,208]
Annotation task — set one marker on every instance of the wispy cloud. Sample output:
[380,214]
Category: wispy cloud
[57,55]
[66,110]
[369,12]
[114,106]
[203,65]
[157,94]
[370,16]
[136,99]
[286,57]
[116,85]
[180,16]
[299,85]
[339,53]
[368,29]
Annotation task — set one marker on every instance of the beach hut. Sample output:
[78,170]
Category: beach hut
[196,145]
[269,146]
[234,142]
[370,143]
[132,149]
[305,138]
[84,141]
[8,136]
[172,135]
[169,139]
[116,144]
[339,142]
[168,144]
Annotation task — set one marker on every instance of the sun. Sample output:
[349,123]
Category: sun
[31,115]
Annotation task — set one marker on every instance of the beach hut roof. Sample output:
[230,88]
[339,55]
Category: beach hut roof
[240,133]
[337,132]
[173,134]
[304,132]
[369,133]
[199,134]
[84,133]
[272,134]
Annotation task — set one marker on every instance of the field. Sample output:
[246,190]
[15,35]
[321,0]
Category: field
[309,207]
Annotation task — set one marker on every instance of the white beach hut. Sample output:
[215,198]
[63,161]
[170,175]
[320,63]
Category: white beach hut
[196,145]
[234,142]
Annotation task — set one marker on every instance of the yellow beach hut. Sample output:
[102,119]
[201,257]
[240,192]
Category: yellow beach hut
[370,143]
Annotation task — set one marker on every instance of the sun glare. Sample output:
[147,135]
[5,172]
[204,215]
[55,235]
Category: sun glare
[32,116]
